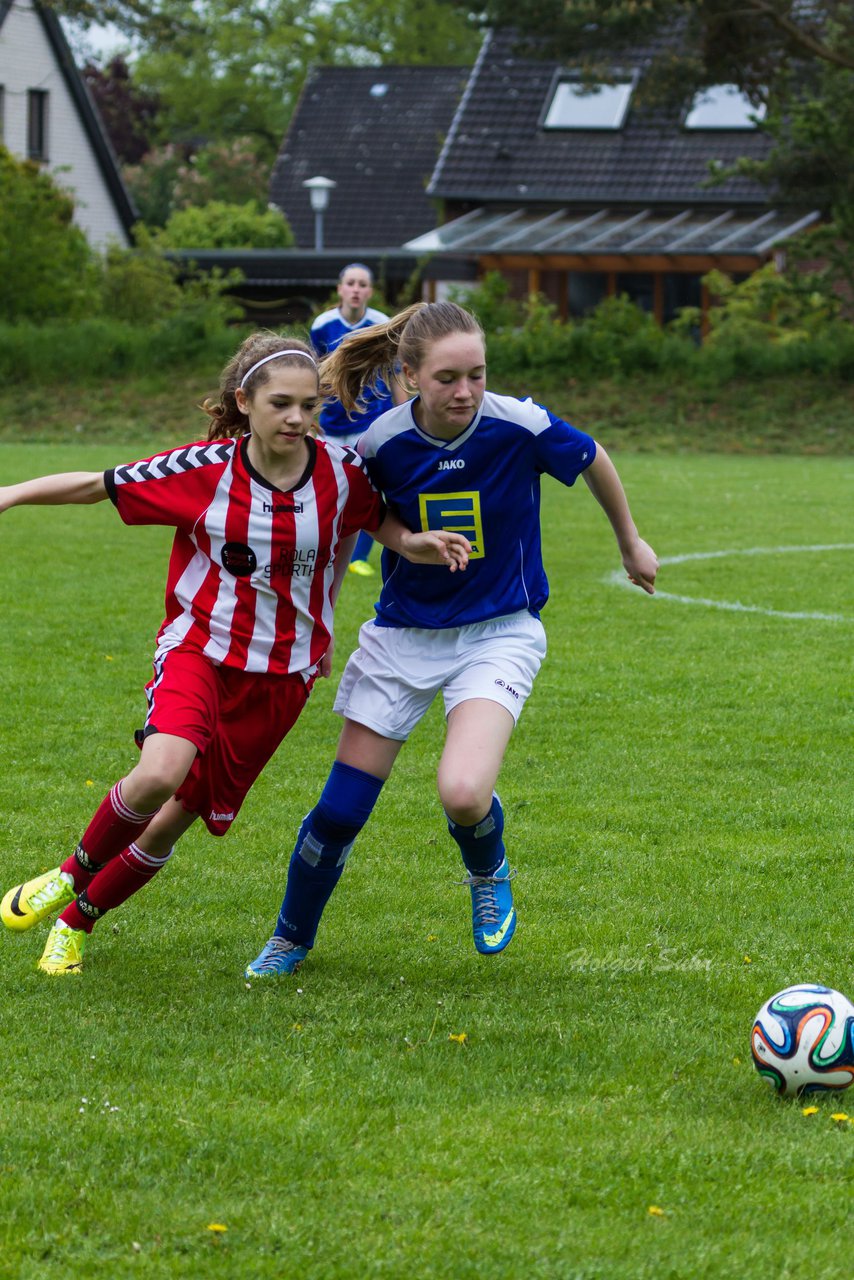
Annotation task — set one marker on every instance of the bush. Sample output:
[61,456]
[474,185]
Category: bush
[142,286]
[87,351]
[767,326]
[225,226]
[46,265]
[617,338]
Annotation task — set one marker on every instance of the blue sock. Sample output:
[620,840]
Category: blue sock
[362,549]
[322,848]
[481,845]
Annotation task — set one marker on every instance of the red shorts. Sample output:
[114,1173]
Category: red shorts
[235,719]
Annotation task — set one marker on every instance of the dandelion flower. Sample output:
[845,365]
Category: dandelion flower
[460,1038]
[217,1227]
[809,1111]
[839,1115]
[655,1212]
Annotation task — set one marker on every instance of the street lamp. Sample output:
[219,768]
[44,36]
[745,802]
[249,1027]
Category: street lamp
[318,190]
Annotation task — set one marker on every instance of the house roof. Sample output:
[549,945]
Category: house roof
[87,112]
[497,148]
[376,132]
[639,233]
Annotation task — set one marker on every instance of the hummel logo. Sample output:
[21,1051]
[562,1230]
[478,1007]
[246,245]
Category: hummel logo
[493,939]
[221,817]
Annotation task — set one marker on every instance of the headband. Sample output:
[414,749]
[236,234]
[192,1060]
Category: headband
[292,351]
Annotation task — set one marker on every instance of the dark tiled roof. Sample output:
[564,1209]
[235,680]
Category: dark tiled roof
[378,146]
[498,151]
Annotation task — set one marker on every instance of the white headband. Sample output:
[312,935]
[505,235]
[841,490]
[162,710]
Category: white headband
[292,351]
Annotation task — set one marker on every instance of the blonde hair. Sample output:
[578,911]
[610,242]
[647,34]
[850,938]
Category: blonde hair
[226,420]
[368,355]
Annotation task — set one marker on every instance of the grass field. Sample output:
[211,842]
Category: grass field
[581,1107]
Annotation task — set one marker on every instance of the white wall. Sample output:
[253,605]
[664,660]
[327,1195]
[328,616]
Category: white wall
[27,62]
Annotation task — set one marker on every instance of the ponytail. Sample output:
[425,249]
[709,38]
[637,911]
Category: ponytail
[368,355]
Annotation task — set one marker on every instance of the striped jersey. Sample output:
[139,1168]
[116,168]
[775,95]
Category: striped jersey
[485,483]
[327,331]
[251,568]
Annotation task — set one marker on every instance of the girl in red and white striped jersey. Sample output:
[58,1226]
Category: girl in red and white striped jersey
[265,516]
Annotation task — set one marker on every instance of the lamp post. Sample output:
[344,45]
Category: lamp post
[318,191]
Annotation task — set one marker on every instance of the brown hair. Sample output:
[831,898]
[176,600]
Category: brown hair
[226,420]
[367,355]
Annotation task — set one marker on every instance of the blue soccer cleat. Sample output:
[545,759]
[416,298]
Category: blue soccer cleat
[278,958]
[493,916]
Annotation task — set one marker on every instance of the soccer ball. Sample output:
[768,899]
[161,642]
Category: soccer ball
[803,1040]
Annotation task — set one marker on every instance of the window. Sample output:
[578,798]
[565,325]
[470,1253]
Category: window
[577,106]
[37,100]
[723,106]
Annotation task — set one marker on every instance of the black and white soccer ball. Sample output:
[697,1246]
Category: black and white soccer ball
[803,1040]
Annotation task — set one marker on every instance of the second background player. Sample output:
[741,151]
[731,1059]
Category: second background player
[355,290]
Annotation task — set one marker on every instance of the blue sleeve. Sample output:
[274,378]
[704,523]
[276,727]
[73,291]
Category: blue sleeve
[318,340]
[564,452]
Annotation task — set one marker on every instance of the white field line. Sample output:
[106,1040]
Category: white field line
[618,578]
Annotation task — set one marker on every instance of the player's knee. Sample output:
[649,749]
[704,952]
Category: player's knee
[152,784]
[465,801]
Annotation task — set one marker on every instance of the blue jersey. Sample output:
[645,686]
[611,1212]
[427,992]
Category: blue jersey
[485,484]
[327,331]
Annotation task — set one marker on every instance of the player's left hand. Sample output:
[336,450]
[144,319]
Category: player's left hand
[324,667]
[641,564]
[437,546]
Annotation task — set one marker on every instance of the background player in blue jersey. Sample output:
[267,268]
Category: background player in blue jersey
[355,289]
[456,457]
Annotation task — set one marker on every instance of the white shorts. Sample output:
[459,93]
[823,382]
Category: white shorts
[394,675]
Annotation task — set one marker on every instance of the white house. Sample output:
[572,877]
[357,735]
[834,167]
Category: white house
[47,115]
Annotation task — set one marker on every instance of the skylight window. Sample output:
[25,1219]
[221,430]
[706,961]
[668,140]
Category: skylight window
[576,106]
[723,106]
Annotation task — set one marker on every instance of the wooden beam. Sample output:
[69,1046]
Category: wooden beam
[682,264]
[658,297]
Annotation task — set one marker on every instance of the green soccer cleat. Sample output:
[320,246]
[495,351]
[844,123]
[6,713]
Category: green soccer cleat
[279,957]
[361,568]
[34,900]
[493,915]
[63,953]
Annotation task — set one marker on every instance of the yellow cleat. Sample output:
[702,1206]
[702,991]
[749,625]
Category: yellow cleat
[63,953]
[34,900]
[362,568]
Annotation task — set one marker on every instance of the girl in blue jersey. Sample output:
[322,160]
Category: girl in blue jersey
[328,330]
[461,458]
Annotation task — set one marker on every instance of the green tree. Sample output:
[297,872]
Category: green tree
[743,42]
[172,177]
[46,266]
[221,71]
[152,182]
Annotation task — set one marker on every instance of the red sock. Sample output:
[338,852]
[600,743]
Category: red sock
[111,830]
[113,885]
